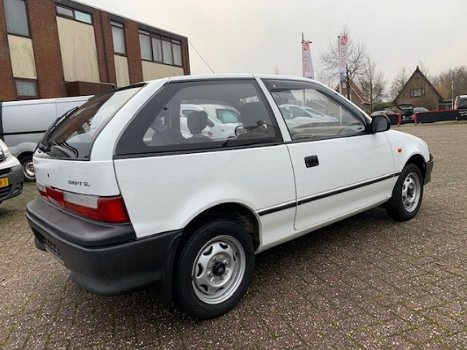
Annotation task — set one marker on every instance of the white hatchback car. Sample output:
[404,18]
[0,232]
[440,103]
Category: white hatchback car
[122,210]
[11,174]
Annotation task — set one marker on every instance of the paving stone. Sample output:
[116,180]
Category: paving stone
[367,282]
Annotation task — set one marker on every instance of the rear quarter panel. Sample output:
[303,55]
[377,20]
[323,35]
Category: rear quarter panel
[164,193]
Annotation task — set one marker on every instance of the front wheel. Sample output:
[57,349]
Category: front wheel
[28,168]
[407,194]
[214,269]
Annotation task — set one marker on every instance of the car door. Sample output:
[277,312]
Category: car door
[340,167]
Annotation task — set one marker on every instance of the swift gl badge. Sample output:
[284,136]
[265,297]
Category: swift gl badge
[78,183]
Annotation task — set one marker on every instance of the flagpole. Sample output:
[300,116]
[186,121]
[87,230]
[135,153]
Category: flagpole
[339,60]
[303,69]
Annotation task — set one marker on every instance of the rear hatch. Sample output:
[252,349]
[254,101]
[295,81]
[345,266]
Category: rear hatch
[66,175]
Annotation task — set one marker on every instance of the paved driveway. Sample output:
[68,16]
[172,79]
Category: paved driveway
[367,282]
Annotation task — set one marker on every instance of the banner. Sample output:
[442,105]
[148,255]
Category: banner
[306,60]
[343,43]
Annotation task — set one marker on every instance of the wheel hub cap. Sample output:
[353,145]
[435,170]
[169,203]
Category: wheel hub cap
[218,269]
[411,189]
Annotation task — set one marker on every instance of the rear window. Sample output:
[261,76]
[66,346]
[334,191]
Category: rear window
[73,134]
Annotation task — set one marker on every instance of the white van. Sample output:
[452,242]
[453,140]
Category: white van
[122,209]
[23,124]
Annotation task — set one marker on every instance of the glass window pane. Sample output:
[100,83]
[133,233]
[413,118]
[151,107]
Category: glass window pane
[309,114]
[83,17]
[182,117]
[156,49]
[26,88]
[177,50]
[77,132]
[145,43]
[64,11]
[16,18]
[167,51]
[118,36]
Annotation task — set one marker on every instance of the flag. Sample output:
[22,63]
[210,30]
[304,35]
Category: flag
[306,60]
[343,44]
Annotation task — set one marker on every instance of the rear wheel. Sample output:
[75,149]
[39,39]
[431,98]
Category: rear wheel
[28,168]
[407,194]
[214,269]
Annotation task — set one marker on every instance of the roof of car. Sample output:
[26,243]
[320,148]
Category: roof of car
[233,76]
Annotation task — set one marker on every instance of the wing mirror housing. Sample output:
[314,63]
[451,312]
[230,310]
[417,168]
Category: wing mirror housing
[240,130]
[380,123]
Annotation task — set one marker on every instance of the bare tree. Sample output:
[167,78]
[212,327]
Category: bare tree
[372,83]
[452,82]
[356,60]
[398,84]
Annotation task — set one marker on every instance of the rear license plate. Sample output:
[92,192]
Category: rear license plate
[4,182]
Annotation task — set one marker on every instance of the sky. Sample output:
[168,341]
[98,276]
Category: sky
[259,36]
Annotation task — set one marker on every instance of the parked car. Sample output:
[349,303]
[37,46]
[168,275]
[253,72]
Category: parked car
[23,124]
[309,114]
[385,112]
[420,110]
[460,104]
[222,120]
[122,210]
[407,113]
[11,174]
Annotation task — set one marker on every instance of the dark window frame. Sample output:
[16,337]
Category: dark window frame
[162,38]
[357,114]
[74,14]
[26,9]
[118,24]
[126,147]
[27,97]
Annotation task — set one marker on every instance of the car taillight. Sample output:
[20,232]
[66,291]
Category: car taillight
[106,209]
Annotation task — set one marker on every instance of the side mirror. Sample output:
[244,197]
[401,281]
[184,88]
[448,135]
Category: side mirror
[240,130]
[380,123]
[210,123]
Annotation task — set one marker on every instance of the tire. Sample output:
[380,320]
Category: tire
[407,194]
[28,168]
[214,269]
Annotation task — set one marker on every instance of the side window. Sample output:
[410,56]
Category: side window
[311,114]
[197,115]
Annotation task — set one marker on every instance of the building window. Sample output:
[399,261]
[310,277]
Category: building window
[160,49]
[26,88]
[157,49]
[145,44]
[118,36]
[79,16]
[177,52]
[16,17]
[417,92]
[167,52]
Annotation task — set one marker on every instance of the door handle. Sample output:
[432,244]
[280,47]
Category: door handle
[311,161]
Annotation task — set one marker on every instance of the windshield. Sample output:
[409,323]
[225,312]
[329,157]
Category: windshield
[462,102]
[73,135]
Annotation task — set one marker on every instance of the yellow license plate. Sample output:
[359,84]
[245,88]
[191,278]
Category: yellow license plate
[4,182]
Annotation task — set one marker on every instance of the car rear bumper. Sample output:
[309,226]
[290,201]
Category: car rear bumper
[108,266]
[15,179]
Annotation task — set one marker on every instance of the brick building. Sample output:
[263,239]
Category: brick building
[419,92]
[58,48]
[356,95]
